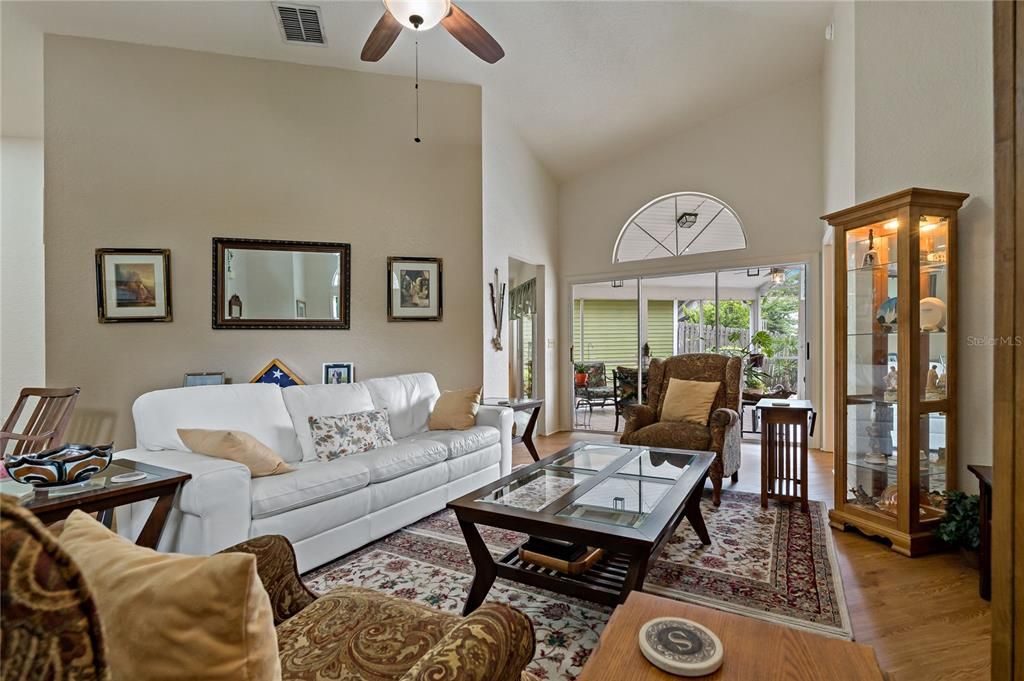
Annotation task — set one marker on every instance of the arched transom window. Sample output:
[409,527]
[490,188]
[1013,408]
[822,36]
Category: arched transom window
[679,224]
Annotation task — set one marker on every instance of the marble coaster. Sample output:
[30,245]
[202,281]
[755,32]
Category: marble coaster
[128,477]
[681,647]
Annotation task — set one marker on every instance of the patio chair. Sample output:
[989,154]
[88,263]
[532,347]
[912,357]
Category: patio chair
[596,391]
[721,434]
[624,386]
[45,427]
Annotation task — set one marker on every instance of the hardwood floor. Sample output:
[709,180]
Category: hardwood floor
[923,616]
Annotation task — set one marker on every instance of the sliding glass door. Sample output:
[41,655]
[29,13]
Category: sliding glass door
[757,313]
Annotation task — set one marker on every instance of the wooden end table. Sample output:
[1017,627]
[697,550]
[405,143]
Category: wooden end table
[521,404]
[784,435]
[753,649]
[101,496]
[626,500]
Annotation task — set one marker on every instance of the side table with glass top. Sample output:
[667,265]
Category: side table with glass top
[626,500]
[523,404]
[101,495]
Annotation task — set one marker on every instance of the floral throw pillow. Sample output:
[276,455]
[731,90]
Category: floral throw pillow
[338,436]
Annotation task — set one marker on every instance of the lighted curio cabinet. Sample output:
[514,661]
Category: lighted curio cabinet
[895,365]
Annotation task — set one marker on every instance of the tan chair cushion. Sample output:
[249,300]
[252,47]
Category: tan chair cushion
[170,616]
[455,410]
[235,445]
[689,400]
[674,435]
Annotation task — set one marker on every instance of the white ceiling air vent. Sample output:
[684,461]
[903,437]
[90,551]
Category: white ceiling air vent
[300,23]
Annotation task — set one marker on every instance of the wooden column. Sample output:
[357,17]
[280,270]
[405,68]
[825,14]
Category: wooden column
[1008,411]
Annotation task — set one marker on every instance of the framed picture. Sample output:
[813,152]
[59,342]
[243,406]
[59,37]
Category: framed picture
[339,372]
[204,378]
[276,372]
[133,285]
[300,309]
[415,289]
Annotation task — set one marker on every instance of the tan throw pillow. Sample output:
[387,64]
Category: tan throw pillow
[235,445]
[455,410]
[689,400]
[169,616]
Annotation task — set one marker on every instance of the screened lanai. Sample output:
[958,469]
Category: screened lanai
[619,325]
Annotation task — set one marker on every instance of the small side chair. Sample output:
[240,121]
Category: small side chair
[45,427]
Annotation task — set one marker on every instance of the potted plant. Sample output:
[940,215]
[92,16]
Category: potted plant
[581,374]
[959,527]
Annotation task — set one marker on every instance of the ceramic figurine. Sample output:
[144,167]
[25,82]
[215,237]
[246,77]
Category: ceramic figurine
[886,315]
[861,496]
[871,257]
[892,379]
[933,315]
[933,379]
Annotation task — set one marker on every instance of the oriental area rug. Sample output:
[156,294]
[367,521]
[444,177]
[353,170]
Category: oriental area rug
[777,564]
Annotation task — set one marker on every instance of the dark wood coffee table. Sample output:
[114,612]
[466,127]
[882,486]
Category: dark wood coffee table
[101,496]
[626,500]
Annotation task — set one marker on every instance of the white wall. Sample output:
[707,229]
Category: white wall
[520,206]
[924,118]
[763,159]
[22,327]
[838,110]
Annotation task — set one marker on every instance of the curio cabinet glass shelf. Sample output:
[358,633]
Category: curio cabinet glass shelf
[896,365]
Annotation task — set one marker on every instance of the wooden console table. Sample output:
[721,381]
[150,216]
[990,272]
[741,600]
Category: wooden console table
[753,649]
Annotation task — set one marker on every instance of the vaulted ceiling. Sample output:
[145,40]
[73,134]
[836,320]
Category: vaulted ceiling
[582,82]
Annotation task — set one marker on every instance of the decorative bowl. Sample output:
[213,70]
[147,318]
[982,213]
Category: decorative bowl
[65,465]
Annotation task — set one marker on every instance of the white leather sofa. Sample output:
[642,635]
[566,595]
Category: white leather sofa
[326,509]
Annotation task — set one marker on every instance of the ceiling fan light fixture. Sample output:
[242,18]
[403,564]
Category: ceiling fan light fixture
[419,15]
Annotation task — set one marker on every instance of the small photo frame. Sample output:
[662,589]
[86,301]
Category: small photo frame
[204,378]
[415,289]
[276,372]
[133,285]
[336,373]
[300,309]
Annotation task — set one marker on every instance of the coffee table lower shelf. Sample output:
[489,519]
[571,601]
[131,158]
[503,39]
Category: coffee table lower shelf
[603,583]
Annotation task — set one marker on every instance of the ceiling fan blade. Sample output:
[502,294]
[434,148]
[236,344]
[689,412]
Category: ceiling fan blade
[382,37]
[472,35]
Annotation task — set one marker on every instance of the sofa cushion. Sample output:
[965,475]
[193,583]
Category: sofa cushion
[689,400]
[462,442]
[473,462]
[405,456]
[674,435]
[303,401]
[455,410]
[254,408]
[309,483]
[338,436]
[232,445]
[408,399]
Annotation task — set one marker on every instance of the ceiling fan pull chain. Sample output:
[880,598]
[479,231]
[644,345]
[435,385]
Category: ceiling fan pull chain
[417,138]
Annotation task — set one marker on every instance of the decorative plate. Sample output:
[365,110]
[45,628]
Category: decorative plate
[933,315]
[680,646]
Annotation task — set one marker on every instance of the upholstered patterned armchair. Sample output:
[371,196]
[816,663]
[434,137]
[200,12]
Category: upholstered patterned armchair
[720,435]
[50,628]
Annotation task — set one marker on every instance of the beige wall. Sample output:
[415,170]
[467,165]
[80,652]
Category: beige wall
[22,345]
[928,123]
[520,206]
[763,159]
[155,147]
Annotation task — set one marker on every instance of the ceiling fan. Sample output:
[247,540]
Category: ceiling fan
[422,15]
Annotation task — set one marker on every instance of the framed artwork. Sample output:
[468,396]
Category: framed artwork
[276,372]
[204,378]
[300,309]
[339,372]
[133,285]
[415,289]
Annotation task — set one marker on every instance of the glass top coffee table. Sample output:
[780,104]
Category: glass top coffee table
[626,500]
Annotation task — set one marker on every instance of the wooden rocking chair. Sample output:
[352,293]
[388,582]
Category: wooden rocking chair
[45,427]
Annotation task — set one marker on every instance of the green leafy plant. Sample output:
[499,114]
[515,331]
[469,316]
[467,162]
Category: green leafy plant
[959,527]
[580,367]
[761,345]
